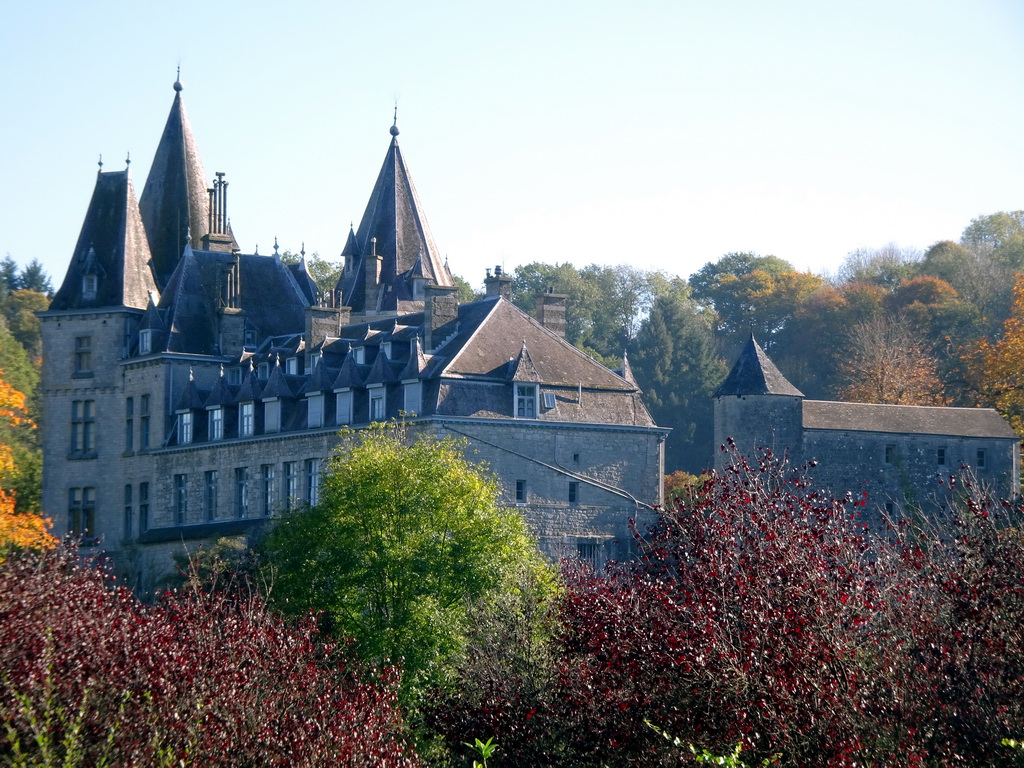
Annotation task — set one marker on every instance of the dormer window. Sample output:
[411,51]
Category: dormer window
[234,376]
[311,360]
[360,353]
[314,410]
[413,397]
[246,419]
[291,366]
[216,423]
[526,401]
[386,347]
[90,284]
[250,338]
[272,415]
[145,341]
[184,427]
[263,371]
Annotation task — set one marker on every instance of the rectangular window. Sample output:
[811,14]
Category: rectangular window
[549,400]
[267,491]
[216,423]
[83,426]
[145,341]
[890,453]
[128,512]
[185,428]
[981,458]
[263,371]
[271,415]
[235,376]
[129,424]
[520,491]
[312,482]
[90,284]
[290,484]
[940,457]
[83,354]
[291,366]
[82,512]
[210,494]
[377,404]
[315,411]
[144,422]
[249,338]
[143,507]
[526,401]
[413,397]
[574,492]
[589,552]
[180,499]
[343,404]
[241,492]
[245,419]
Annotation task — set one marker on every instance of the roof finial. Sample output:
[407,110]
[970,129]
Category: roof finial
[177,81]
[100,163]
[302,250]
[394,125]
[128,160]
[276,254]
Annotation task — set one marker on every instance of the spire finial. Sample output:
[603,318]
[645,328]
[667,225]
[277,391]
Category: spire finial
[276,254]
[394,125]
[100,163]
[302,250]
[128,160]
[177,81]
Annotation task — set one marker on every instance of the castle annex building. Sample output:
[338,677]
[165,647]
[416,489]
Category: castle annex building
[893,453]
[191,390]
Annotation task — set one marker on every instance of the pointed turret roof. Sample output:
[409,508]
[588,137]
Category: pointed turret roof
[417,362]
[627,370]
[175,202]
[277,385]
[394,216]
[523,369]
[755,374]
[112,252]
[349,376]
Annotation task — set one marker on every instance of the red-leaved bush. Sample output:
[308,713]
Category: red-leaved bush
[765,613]
[90,676]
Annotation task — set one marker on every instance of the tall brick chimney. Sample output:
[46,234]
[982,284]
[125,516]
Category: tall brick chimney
[551,311]
[441,307]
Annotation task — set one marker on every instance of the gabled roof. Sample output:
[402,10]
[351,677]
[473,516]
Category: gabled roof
[320,380]
[492,331]
[523,369]
[303,280]
[755,374]
[277,385]
[249,389]
[383,371]
[190,398]
[417,362]
[113,248]
[911,419]
[394,216]
[349,375]
[221,393]
[175,202]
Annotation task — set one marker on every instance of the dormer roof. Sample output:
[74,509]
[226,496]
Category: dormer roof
[112,251]
[755,374]
[522,368]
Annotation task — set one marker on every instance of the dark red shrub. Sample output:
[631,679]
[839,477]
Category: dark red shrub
[203,678]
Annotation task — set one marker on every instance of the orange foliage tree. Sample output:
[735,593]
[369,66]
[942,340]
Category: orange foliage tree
[998,367]
[17,529]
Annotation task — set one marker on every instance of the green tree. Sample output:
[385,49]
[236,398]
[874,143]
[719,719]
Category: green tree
[887,266]
[677,367]
[408,537]
[34,278]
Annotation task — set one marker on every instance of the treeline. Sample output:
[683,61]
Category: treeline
[891,326]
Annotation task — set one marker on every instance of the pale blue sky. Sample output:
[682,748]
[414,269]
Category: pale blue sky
[662,134]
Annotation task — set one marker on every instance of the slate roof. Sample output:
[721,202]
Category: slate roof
[270,299]
[394,216]
[112,246]
[175,201]
[910,419]
[755,374]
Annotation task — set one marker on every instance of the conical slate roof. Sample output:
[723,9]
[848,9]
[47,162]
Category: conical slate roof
[112,252]
[175,201]
[755,374]
[394,217]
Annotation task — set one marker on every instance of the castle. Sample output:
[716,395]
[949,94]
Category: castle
[890,456]
[191,391]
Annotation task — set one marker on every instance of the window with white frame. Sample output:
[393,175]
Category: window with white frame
[291,366]
[377,404]
[241,492]
[526,401]
[272,415]
[314,410]
[343,406]
[216,423]
[184,427]
[549,400]
[246,418]
[413,397]
[210,493]
[360,353]
[267,489]
[290,484]
[90,285]
[312,482]
[145,341]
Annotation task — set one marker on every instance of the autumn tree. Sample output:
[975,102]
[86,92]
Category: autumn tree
[889,363]
[998,367]
[18,528]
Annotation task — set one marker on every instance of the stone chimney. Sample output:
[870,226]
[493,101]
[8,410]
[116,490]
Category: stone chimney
[551,311]
[322,322]
[219,237]
[231,331]
[372,264]
[441,307]
[498,285]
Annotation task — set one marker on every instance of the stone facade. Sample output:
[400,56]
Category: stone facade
[891,455]
[199,400]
